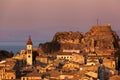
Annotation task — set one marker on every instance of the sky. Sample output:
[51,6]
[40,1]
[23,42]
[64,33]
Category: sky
[43,18]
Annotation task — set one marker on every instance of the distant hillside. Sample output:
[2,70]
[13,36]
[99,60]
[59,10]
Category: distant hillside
[5,54]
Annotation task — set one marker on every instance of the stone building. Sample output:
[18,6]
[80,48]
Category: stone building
[42,59]
[32,76]
[71,51]
[71,66]
[7,74]
[65,56]
[78,58]
[41,69]
[110,63]
[71,57]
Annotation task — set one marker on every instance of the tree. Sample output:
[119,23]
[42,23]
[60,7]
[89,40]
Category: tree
[5,54]
[117,54]
[35,54]
[40,45]
[50,47]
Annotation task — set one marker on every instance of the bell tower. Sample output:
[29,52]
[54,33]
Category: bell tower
[29,51]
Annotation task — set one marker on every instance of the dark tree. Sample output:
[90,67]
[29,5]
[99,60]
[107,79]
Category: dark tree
[85,59]
[101,61]
[35,54]
[5,54]
[40,45]
[51,47]
[117,54]
[46,47]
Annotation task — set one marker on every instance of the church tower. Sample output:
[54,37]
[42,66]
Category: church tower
[29,51]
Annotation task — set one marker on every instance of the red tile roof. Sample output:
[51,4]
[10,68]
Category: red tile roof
[29,42]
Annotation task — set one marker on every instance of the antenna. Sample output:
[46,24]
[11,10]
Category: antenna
[97,20]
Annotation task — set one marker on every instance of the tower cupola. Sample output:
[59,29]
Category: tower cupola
[29,42]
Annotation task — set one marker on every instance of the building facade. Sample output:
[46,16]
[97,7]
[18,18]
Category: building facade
[29,52]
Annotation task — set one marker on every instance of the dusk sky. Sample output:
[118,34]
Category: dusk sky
[43,18]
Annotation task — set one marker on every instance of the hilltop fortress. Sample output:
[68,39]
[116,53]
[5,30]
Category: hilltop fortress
[99,39]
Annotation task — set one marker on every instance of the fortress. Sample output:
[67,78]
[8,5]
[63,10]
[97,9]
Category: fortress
[99,39]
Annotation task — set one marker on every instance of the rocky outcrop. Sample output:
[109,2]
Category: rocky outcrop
[97,39]
[102,38]
[69,40]
[68,37]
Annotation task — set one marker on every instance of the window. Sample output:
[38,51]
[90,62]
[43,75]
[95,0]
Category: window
[64,57]
[23,78]
[29,56]
[29,51]
[11,77]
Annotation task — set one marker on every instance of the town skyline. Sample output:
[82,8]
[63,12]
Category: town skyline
[43,18]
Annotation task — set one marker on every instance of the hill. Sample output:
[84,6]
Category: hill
[99,39]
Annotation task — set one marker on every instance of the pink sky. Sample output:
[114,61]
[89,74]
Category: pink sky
[43,18]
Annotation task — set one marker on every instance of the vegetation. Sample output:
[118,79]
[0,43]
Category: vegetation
[117,54]
[50,47]
[5,54]
[35,54]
